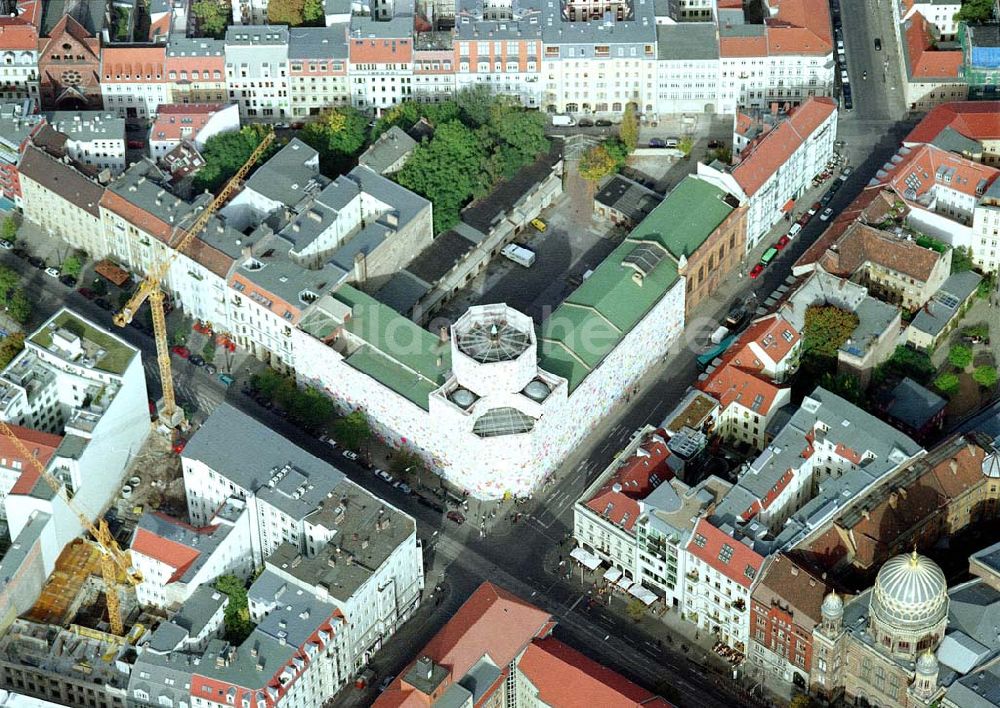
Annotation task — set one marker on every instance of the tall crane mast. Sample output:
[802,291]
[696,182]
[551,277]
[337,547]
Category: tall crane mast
[114,561]
[149,289]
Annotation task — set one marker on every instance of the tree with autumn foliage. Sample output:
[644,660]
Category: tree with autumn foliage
[628,131]
[338,135]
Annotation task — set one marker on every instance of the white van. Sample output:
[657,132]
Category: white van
[562,120]
[521,256]
[719,334]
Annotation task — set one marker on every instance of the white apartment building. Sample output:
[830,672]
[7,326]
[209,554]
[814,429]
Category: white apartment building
[310,527]
[380,65]
[176,559]
[434,78]
[19,64]
[317,69]
[62,201]
[134,80]
[687,68]
[506,57]
[722,567]
[257,71]
[79,381]
[986,230]
[774,171]
[939,13]
[93,138]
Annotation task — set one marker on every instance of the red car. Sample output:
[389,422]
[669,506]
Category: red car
[178,446]
[756,270]
[781,243]
[456,517]
[136,144]
[814,209]
[87,293]
[182,352]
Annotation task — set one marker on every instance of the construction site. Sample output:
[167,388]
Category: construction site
[68,630]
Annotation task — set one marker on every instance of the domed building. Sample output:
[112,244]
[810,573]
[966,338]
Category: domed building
[908,611]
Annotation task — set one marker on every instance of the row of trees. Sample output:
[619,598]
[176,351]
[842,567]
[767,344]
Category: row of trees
[306,407]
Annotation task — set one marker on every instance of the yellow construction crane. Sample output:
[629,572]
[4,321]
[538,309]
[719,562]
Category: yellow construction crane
[149,288]
[114,560]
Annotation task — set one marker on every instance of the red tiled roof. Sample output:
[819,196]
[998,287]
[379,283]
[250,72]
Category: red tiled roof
[136,65]
[773,334]
[800,27]
[764,157]
[918,171]
[731,384]
[635,479]
[925,61]
[492,622]
[976,120]
[791,585]
[744,563]
[41,445]
[172,118]
[862,244]
[743,46]
[866,206]
[173,554]
[563,675]
[18,37]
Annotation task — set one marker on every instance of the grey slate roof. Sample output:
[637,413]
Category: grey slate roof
[914,405]
[286,174]
[16,124]
[248,452]
[390,147]
[88,125]
[199,609]
[437,260]
[402,292]
[695,41]
[283,277]
[256,35]
[951,140]
[89,13]
[628,197]
[937,313]
[396,28]
[318,42]
[62,179]
[195,47]
[203,541]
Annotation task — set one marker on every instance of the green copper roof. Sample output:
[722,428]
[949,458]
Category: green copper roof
[594,319]
[398,353]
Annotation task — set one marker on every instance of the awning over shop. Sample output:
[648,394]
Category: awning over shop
[586,559]
[789,205]
[624,582]
[638,591]
[612,574]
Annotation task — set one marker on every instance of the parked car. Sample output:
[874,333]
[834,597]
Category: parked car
[456,517]
[585,123]
[814,209]
[715,144]
[328,440]
[19,252]
[179,445]
[802,220]
[385,476]
[36,262]
[793,232]
[87,293]
[539,225]
[846,172]
[351,455]
[827,213]
[103,304]
[403,487]
[878,44]
[52,272]
[756,271]
[5,244]
[781,243]
[657,143]
[826,199]
[68,280]
[197,360]
[602,123]
[210,369]
[182,352]
[736,317]
[385,683]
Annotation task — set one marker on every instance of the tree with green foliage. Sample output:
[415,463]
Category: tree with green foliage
[446,171]
[827,327]
[338,135]
[208,351]
[225,153]
[475,105]
[286,12]
[72,266]
[986,287]
[723,154]
[979,329]
[947,383]
[19,306]
[237,613]
[686,145]
[212,17]
[353,431]
[406,114]
[9,229]
[628,131]
[960,356]
[974,11]
[267,383]
[9,281]
[10,347]
[313,13]
[985,376]
[405,464]
[961,259]
[635,609]
[310,408]
[844,385]
[906,361]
